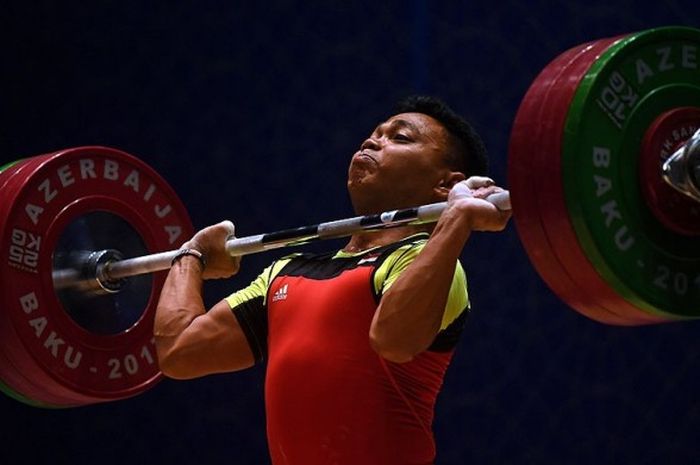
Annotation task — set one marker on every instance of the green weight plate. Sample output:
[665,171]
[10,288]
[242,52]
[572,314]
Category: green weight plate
[7,165]
[6,171]
[19,397]
[5,389]
[625,90]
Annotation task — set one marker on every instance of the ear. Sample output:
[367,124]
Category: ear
[442,189]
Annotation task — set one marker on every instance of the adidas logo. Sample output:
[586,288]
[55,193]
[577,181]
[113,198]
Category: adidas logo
[280,294]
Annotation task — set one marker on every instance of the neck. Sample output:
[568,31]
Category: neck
[368,240]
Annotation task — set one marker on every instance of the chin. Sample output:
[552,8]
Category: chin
[358,182]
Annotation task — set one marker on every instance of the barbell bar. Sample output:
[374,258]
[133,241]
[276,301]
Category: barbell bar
[603,171]
[104,269]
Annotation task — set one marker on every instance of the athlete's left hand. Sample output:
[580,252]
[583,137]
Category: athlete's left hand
[468,197]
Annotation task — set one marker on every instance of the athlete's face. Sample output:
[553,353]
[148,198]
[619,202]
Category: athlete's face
[402,164]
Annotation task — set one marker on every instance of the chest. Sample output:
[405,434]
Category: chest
[332,313]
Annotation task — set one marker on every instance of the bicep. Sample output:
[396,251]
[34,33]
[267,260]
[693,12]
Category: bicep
[457,299]
[213,343]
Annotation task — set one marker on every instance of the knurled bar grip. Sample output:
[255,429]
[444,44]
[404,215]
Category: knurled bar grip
[117,270]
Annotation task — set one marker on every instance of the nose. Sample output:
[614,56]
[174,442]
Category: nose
[371,144]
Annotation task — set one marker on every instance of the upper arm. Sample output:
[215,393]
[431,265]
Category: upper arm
[401,259]
[213,343]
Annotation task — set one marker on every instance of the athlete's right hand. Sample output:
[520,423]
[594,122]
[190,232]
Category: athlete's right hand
[211,242]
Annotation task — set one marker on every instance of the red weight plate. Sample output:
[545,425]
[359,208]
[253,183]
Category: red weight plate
[553,209]
[665,135]
[22,378]
[59,354]
[83,385]
[10,179]
[529,129]
[537,131]
[14,378]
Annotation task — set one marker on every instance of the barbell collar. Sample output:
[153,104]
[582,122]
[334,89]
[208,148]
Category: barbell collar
[89,275]
[682,169]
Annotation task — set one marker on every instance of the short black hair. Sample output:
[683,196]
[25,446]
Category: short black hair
[468,154]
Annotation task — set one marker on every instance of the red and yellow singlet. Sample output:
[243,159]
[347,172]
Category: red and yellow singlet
[330,399]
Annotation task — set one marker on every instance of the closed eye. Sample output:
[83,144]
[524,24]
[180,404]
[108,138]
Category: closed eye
[402,137]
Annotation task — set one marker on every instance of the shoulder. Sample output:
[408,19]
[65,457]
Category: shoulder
[395,258]
[258,288]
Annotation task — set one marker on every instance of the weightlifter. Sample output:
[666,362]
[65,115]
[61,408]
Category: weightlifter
[356,341]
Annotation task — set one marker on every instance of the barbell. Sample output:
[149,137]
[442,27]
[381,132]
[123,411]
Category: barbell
[603,170]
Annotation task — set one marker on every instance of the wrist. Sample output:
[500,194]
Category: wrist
[459,216]
[190,252]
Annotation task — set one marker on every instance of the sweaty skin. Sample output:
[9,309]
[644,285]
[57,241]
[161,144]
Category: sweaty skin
[402,164]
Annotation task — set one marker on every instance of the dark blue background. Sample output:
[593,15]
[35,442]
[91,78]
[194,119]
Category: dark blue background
[251,110]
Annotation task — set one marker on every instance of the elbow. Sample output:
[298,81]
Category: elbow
[173,371]
[167,365]
[169,362]
[169,369]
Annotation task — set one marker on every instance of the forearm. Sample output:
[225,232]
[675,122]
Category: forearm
[180,303]
[410,313]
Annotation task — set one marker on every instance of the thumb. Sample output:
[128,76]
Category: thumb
[460,190]
[230,228]
[475,182]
